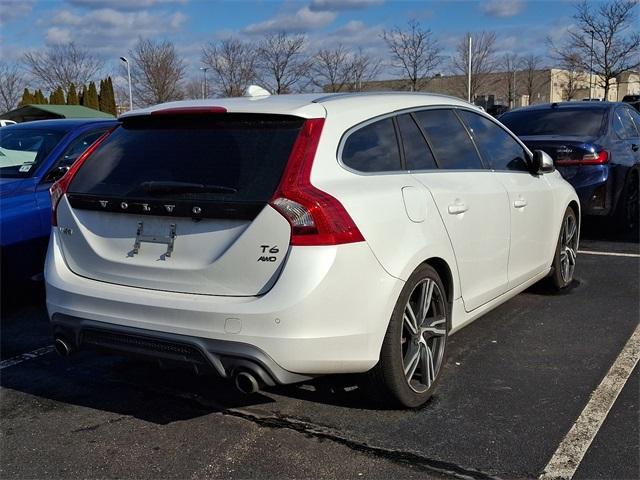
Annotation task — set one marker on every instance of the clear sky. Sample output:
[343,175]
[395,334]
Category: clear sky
[111,27]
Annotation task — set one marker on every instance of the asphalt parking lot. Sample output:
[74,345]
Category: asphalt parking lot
[514,383]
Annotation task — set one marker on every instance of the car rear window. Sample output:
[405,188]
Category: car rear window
[556,121]
[234,157]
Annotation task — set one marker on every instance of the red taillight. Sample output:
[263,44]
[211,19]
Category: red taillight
[595,158]
[59,188]
[316,218]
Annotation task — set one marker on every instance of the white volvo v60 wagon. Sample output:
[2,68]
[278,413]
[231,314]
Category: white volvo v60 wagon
[277,238]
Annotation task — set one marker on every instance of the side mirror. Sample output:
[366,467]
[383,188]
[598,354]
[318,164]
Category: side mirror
[541,163]
[56,174]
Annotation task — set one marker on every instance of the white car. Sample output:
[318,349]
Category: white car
[272,239]
[5,123]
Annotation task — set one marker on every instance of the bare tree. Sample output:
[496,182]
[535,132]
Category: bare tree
[414,52]
[193,89]
[616,42]
[532,81]
[62,65]
[233,64]
[510,62]
[12,83]
[572,78]
[156,73]
[281,61]
[331,70]
[483,61]
[364,68]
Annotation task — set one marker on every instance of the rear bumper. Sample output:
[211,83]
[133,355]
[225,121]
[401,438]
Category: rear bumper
[594,186]
[203,354]
[327,313]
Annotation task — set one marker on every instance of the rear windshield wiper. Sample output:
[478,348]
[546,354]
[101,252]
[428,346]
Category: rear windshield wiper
[184,187]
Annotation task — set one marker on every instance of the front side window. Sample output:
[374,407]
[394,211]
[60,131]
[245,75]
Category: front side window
[373,148]
[497,147]
[78,146]
[451,143]
[23,150]
[417,153]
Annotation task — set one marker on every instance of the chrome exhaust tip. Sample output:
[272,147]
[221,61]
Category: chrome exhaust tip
[246,383]
[62,347]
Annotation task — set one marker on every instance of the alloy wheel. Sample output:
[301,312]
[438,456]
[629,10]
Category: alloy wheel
[424,333]
[568,248]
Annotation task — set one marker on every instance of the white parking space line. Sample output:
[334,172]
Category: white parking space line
[570,452]
[10,362]
[610,254]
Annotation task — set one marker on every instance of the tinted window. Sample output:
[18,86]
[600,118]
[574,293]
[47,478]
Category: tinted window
[245,155]
[623,124]
[635,116]
[417,153]
[373,148]
[78,146]
[451,144]
[497,146]
[555,121]
[22,150]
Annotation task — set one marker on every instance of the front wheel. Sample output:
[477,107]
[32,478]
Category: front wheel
[413,350]
[564,260]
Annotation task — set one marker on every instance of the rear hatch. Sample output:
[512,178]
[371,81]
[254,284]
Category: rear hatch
[179,203]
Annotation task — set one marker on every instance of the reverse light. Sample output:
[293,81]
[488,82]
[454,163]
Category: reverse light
[316,218]
[60,187]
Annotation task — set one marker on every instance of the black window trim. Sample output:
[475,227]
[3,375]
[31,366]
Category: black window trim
[412,111]
[401,139]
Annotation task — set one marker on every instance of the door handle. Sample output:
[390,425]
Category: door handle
[634,147]
[520,203]
[458,208]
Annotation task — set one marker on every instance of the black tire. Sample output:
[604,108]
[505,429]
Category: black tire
[387,379]
[629,204]
[559,280]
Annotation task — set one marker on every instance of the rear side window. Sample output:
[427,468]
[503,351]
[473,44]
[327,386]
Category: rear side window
[228,157]
[556,121]
[451,143]
[417,153]
[373,148]
[623,124]
[497,146]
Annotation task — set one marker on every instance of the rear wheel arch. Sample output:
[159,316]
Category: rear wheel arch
[444,271]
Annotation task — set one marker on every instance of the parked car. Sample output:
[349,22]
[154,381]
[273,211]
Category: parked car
[595,146]
[32,156]
[4,123]
[274,239]
[633,100]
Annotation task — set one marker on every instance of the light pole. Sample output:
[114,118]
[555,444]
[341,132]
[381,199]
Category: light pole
[469,76]
[124,59]
[204,83]
[591,66]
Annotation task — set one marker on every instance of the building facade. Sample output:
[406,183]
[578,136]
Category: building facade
[522,88]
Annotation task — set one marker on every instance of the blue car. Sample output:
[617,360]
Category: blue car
[32,156]
[596,148]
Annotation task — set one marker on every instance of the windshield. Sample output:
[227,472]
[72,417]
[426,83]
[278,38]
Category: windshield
[22,150]
[555,121]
